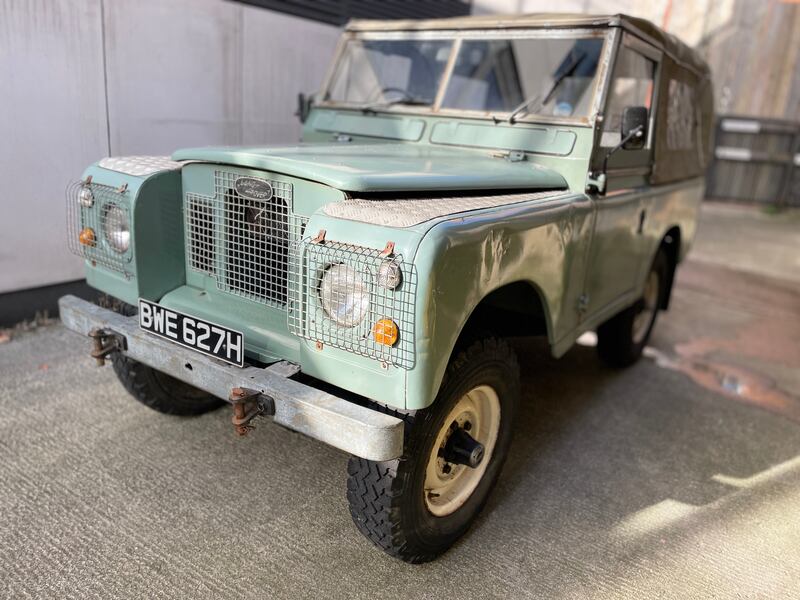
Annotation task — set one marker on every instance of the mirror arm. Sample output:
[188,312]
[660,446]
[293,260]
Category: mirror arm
[599,179]
[304,104]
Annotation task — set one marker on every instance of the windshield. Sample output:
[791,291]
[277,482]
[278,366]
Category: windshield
[518,76]
[554,75]
[390,71]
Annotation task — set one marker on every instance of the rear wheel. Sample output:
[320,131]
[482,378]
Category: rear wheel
[416,507]
[621,339]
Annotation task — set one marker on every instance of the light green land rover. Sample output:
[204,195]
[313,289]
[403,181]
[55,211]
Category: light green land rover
[459,182]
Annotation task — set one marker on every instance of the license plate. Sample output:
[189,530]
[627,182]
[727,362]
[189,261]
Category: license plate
[209,338]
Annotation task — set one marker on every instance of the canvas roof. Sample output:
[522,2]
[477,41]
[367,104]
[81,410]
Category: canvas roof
[670,44]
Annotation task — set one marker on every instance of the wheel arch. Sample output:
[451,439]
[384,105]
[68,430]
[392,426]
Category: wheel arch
[487,316]
[498,314]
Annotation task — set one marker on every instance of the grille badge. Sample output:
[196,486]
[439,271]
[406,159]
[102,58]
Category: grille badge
[255,189]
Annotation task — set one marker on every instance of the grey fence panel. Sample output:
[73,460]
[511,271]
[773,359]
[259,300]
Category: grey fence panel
[756,160]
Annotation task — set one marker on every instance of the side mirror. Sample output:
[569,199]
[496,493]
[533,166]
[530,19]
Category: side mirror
[634,137]
[634,127]
[304,104]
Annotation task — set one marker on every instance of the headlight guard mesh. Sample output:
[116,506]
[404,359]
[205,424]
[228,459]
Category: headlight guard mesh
[307,319]
[80,217]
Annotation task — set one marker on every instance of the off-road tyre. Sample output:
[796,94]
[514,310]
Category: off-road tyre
[153,388]
[617,345]
[160,391]
[387,500]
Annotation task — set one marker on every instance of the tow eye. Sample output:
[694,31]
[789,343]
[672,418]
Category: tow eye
[105,342]
[247,405]
[463,449]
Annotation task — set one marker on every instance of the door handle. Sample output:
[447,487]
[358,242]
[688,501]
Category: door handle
[642,215]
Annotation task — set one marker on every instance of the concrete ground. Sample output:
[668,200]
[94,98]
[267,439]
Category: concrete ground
[676,478]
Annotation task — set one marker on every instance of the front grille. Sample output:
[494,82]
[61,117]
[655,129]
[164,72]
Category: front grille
[200,230]
[100,218]
[243,242]
[308,319]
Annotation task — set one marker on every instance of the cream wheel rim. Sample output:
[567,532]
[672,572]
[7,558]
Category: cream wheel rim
[641,322]
[448,486]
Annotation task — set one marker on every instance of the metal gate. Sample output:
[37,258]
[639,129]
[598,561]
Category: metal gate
[756,160]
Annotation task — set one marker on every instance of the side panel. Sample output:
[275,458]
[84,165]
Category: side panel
[158,235]
[668,206]
[662,208]
[337,366]
[462,260]
[156,225]
[616,250]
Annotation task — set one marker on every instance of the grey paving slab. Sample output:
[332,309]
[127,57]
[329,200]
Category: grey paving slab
[661,481]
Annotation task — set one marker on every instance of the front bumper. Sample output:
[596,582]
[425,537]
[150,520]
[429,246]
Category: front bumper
[315,413]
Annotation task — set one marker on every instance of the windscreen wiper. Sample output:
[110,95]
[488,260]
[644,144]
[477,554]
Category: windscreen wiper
[521,109]
[567,72]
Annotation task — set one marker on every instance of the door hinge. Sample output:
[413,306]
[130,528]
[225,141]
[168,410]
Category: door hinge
[583,303]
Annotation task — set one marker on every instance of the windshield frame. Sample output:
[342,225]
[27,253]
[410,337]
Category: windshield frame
[458,36]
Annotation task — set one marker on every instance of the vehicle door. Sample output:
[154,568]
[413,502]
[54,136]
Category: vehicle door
[617,246]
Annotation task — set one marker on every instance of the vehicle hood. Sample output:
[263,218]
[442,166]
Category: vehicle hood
[385,167]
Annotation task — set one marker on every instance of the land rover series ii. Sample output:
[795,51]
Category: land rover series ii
[459,181]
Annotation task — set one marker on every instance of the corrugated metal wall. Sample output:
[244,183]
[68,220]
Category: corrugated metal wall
[83,79]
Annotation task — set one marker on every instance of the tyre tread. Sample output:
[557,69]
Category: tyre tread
[374,489]
[140,382]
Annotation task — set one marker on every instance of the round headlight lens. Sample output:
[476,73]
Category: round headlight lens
[117,227]
[344,295]
[85,197]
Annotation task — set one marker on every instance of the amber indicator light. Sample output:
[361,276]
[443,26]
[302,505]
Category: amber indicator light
[87,237]
[385,332]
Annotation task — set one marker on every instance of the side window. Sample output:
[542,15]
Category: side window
[683,116]
[632,85]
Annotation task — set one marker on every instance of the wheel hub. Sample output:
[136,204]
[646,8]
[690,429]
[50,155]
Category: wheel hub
[462,450]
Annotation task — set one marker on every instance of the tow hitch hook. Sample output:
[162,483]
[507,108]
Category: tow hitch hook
[247,405]
[104,343]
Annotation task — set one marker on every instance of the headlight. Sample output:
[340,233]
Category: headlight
[117,227]
[344,295]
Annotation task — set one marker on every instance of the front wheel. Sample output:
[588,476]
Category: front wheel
[155,389]
[160,391]
[416,507]
[621,339]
